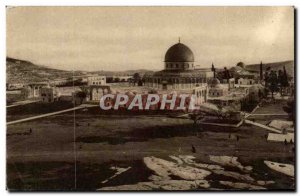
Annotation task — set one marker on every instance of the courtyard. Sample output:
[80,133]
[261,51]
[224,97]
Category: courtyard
[82,150]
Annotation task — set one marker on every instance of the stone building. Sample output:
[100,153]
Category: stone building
[32,90]
[95,92]
[96,80]
[246,80]
[201,94]
[179,71]
[216,89]
[233,99]
[48,94]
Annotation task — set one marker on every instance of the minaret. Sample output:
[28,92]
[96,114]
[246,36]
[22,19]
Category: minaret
[261,71]
[213,69]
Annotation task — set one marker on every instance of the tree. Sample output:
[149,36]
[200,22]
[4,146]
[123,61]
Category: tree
[140,82]
[261,71]
[280,80]
[240,64]
[260,94]
[81,95]
[290,108]
[85,90]
[136,78]
[273,80]
[285,81]
[226,74]
[266,76]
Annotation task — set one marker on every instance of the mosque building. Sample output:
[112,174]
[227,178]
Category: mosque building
[179,71]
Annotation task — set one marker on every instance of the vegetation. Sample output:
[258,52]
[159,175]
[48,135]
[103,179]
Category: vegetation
[71,82]
[289,65]
[274,81]
[19,71]
[137,79]
[290,108]
[81,95]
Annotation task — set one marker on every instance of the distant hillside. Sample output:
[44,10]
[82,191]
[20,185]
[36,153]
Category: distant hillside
[21,71]
[121,73]
[289,66]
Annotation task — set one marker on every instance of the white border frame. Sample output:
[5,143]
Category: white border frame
[3,4]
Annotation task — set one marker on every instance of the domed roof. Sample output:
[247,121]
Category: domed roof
[214,82]
[240,64]
[179,53]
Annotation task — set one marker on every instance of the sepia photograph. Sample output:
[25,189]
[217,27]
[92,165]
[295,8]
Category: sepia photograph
[150,98]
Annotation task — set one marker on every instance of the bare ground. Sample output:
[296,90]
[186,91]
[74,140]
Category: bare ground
[45,159]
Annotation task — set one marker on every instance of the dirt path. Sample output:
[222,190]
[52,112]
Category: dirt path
[22,103]
[262,126]
[50,114]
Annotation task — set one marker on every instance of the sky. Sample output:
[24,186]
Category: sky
[126,38]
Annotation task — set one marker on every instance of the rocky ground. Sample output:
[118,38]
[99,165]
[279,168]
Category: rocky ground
[91,151]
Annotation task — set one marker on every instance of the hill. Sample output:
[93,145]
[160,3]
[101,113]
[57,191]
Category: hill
[121,73]
[289,66]
[21,71]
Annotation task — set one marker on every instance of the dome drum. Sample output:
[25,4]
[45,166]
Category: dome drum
[179,65]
